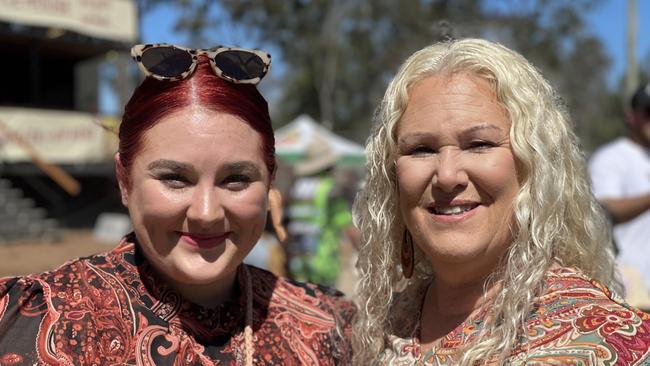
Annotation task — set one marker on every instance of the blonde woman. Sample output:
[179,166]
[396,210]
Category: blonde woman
[481,241]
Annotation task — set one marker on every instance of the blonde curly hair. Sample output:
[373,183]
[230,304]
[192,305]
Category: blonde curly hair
[557,219]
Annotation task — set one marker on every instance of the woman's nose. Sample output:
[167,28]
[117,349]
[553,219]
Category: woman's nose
[205,208]
[449,174]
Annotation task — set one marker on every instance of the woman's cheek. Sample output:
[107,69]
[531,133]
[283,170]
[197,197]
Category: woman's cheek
[252,204]
[162,203]
[412,178]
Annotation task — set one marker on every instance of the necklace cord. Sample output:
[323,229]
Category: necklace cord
[248,330]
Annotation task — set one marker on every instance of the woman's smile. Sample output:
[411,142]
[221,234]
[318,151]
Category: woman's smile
[204,241]
[454,212]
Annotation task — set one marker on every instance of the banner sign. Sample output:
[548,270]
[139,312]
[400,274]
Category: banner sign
[110,19]
[57,136]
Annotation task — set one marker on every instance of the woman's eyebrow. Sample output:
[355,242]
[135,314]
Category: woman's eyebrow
[482,126]
[468,131]
[411,136]
[243,166]
[486,129]
[168,164]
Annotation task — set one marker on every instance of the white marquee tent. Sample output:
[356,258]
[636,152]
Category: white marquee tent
[293,140]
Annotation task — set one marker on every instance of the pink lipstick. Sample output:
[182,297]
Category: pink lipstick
[204,241]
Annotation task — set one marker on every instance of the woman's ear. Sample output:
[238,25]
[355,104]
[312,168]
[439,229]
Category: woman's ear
[122,180]
[275,206]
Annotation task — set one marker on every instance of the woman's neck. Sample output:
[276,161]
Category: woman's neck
[208,295]
[448,305]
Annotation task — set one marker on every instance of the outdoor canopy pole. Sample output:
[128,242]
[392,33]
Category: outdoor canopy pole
[58,175]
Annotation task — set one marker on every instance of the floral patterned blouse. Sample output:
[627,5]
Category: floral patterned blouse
[577,321]
[113,309]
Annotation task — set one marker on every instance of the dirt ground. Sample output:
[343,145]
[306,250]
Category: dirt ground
[22,257]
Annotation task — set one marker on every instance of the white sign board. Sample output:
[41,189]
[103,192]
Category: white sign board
[57,136]
[110,19]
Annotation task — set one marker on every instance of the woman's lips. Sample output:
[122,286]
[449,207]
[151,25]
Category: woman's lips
[204,241]
[467,212]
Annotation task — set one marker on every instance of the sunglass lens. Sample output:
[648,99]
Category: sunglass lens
[240,65]
[166,61]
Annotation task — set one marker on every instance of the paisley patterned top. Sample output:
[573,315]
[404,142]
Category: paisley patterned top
[577,321]
[113,309]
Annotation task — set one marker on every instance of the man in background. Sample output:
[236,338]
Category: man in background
[620,175]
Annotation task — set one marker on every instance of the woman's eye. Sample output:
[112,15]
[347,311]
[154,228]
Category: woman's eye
[422,150]
[174,180]
[237,181]
[480,145]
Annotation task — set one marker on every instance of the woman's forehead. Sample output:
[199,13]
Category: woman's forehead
[453,101]
[197,132]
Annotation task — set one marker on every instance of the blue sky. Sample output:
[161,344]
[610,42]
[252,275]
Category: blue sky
[607,21]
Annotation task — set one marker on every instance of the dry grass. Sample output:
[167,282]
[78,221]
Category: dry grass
[22,257]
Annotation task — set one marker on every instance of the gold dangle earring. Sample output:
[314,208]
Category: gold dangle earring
[407,255]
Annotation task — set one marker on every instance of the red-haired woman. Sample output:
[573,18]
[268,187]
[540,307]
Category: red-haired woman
[195,166]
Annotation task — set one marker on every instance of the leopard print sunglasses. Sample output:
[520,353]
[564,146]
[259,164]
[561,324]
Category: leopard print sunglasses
[170,62]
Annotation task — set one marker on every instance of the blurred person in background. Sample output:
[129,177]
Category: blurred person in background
[320,216]
[620,177]
[348,181]
[481,241]
[269,253]
[195,168]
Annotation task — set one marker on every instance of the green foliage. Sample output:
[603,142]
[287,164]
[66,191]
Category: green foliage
[338,55]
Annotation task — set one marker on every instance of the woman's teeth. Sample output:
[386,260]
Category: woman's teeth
[452,210]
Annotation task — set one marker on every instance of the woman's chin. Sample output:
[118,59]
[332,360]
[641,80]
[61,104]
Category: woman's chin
[200,275]
[454,256]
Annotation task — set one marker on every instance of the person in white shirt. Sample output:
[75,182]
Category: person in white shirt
[620,175]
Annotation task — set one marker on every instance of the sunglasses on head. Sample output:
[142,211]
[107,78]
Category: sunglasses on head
[170,62]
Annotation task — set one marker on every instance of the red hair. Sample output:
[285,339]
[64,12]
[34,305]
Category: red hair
[155,99]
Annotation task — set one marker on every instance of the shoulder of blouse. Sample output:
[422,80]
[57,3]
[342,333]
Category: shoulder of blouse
[22,302]
[325,298]
[309,309]
[578,316]
[17,286]
[25,301]
[34,283]
[19,293]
